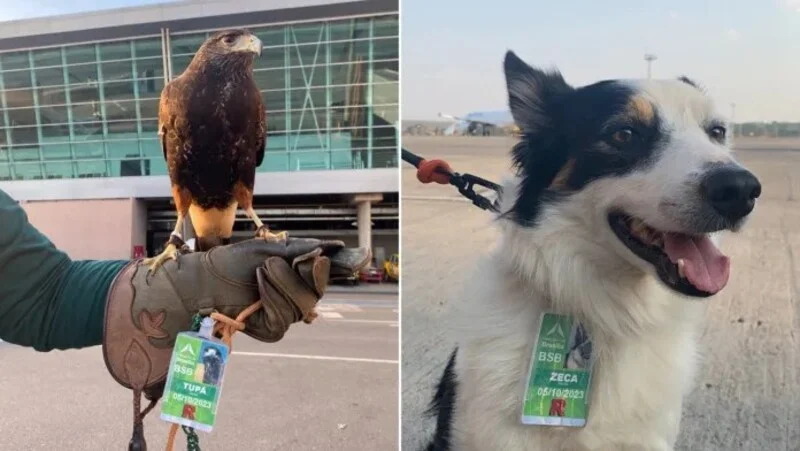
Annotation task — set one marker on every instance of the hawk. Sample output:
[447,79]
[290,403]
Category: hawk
[212,128]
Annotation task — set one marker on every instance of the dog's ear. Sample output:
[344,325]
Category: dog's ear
[531,92]
[534,97]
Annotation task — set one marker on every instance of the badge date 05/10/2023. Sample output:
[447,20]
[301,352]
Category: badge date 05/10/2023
[557,388]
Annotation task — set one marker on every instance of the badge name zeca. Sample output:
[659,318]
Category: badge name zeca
[559,377]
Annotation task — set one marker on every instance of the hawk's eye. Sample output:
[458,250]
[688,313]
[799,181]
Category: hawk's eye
[717,133]
[228,39]
[622,137]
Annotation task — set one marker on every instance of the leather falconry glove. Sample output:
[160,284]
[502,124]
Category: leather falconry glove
[276,283]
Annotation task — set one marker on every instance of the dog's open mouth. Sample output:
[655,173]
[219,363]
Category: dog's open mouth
[689,264]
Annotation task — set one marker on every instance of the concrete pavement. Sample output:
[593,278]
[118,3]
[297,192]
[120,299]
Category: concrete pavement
[327,386]
[748,387]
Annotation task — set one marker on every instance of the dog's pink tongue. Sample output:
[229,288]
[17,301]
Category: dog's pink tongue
[705,267]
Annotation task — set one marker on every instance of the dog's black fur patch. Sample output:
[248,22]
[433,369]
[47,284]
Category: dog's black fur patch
[561,124]
[442,406]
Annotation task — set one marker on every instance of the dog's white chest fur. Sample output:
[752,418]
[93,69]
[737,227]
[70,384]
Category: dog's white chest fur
[639,377]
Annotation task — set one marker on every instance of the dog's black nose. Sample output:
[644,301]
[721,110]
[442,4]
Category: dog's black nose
[732,191]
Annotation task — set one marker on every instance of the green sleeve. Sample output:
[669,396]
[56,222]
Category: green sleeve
[47,301]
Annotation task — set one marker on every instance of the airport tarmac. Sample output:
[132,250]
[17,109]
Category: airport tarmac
[329,386]
[747,394]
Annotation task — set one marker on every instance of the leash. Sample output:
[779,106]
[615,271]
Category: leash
[439,171]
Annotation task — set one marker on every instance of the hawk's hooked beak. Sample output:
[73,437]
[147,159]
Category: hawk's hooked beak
[249,44]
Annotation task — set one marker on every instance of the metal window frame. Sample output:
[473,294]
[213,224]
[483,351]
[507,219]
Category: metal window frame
[322,60]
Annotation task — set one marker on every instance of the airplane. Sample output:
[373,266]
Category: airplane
[480,123]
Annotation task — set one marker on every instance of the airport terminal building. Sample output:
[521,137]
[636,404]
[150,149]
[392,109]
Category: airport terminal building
[79,105]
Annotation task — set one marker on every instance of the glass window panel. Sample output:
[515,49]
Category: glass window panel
[58,170]
[306,56]
[82,74]
[179,64]
[55,133]
[187,43]
[3,143]
[56,152]
[91,169]
[116,110]
[150,87]
[386,94]
[19,98]
[271,36]
[89,150]
[89,130]
[307,33]
[118,70]
[148,48]
[349,29]
[123,129]
[115,51]
[151,148]
[5,171]
[385,26]
[150,126]
[22,116]
[274,101]
[15,60]
[148,108]
[270,79]
[17,79]
[302,76]
[123,150]
[28,171]
[47,57]
[385,49]
[52,95]
[299,101]
[28,153]
[80,54]
[121,90]
[349,74]
[84,93]
[342,52]
[53,114]
[271,58]
[155,166]
[149,68]
[24,135]
[360,51]
[50,77]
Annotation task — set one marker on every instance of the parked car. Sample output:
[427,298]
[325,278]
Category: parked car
[391,268]
[371,274]
[352,279]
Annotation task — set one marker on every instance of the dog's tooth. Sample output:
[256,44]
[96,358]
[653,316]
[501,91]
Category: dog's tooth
[681,265]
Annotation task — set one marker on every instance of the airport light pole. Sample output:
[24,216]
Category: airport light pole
[649,58]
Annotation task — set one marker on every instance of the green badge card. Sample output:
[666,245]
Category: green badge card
[557,389]
[194,381]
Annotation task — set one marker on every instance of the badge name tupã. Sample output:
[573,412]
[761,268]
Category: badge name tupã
[194,380]
[559,377]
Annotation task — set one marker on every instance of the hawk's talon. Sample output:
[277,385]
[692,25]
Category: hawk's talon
[170,253]
[264,233]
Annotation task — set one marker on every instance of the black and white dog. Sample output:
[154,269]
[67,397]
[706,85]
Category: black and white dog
[621,188]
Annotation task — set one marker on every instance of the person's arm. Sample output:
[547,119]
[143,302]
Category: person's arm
[47,301]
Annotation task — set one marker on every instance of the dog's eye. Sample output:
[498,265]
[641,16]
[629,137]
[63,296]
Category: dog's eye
[622,136]
[717,133]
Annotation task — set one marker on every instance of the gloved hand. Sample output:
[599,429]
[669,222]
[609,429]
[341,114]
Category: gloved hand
[146,311]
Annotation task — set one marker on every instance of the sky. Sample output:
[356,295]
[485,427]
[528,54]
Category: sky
[743,52]
[25,9]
